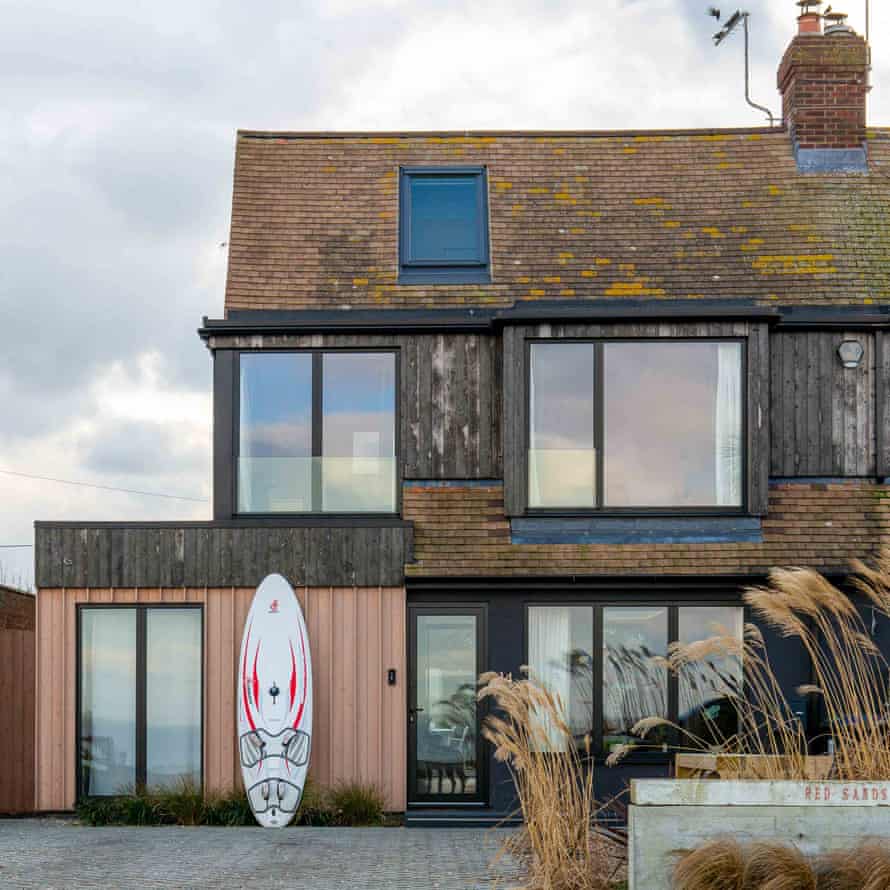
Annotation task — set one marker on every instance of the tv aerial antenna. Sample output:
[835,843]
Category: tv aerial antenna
[740,17]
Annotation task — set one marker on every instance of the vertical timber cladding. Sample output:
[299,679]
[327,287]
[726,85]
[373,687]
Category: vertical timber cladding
[827,419]
[356,634]
[17,697]
[515,409]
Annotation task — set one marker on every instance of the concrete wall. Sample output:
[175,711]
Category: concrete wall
[356,635]
[669,816]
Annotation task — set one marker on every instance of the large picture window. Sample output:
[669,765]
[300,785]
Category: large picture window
[140,698]
[605,664]
[317,432]
[636,425]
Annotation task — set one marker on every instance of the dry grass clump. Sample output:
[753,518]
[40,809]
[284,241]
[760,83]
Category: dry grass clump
[850,676]
[716,865]
[559,844]
[725,864]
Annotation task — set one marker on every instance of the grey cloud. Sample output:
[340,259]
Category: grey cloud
[133,448]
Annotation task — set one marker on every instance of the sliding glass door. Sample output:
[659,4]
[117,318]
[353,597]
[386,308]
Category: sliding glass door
[139,719]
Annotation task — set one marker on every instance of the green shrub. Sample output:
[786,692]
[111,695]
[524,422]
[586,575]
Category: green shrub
[229,809]
[185,804]
[357,804]
[315,807]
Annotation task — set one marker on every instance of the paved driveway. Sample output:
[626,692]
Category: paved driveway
[53,854]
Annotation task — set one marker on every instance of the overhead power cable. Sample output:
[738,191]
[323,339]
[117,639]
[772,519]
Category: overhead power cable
[148,494]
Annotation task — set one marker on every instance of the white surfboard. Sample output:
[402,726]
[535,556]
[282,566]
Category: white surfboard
[274,692]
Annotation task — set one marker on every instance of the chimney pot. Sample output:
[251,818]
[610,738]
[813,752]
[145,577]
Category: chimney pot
[809,23]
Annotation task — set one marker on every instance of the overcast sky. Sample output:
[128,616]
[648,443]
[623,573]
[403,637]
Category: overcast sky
[117,125]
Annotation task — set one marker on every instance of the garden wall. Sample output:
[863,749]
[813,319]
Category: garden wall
[670,816]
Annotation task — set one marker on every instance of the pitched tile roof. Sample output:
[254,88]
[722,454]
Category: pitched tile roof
[463,532]
[687,215]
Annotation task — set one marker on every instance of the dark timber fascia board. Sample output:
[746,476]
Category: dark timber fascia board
[290,521]
[833,318]
[251,322]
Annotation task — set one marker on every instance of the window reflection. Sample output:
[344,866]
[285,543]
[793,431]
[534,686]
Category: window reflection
[358,470]
[173,696]
[353,470]
[108,700]
[113,667]
[673,424]
[275,456]
[562,455]
[446,709]
[635,683]
[560,647]
[706,687]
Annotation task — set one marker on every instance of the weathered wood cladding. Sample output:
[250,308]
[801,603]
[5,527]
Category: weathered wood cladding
[206,554]
[449,401]
[882,404]
[515,410]
[824,415]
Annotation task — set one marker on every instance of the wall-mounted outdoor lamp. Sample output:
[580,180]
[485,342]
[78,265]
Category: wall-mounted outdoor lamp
[850,352]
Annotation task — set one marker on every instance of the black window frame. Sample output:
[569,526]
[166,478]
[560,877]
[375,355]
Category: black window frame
[141,610]
[413,271]
[655,753]
[317,354]
[599,432]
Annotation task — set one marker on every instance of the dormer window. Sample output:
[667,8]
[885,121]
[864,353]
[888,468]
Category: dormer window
[443,225]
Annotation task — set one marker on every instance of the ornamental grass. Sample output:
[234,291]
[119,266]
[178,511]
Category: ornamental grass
[849,678]
[560,844]
[726,864]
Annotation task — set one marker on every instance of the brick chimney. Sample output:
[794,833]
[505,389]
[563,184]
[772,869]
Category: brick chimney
[823,80]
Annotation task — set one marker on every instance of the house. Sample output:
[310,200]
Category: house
[496,399]
[17,697]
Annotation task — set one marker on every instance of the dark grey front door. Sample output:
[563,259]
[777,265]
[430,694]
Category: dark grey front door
[445,747]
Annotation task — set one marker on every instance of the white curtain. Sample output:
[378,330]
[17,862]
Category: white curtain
[728,426]
[534,483]
[549,650]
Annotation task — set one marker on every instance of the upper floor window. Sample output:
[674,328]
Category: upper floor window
[636,425]
[443,225]
[317,432]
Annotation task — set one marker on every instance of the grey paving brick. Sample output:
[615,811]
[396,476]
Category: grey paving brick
[53,854]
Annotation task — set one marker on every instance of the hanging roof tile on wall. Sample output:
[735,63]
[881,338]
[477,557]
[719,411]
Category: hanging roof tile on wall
[608,216]
[463,532]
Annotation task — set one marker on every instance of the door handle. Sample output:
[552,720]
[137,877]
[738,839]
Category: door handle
[412,714]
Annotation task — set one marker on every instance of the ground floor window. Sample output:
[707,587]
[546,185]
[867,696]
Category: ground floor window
[606,663]
[140,697]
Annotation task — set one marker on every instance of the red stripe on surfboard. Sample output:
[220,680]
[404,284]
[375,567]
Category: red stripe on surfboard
[256,679]
[299,718]
[244,681]
[293,676]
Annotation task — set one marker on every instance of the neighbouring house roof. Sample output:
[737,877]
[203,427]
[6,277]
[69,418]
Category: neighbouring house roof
[690,215]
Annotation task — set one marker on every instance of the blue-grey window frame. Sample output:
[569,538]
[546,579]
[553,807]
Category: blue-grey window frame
[413,271]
